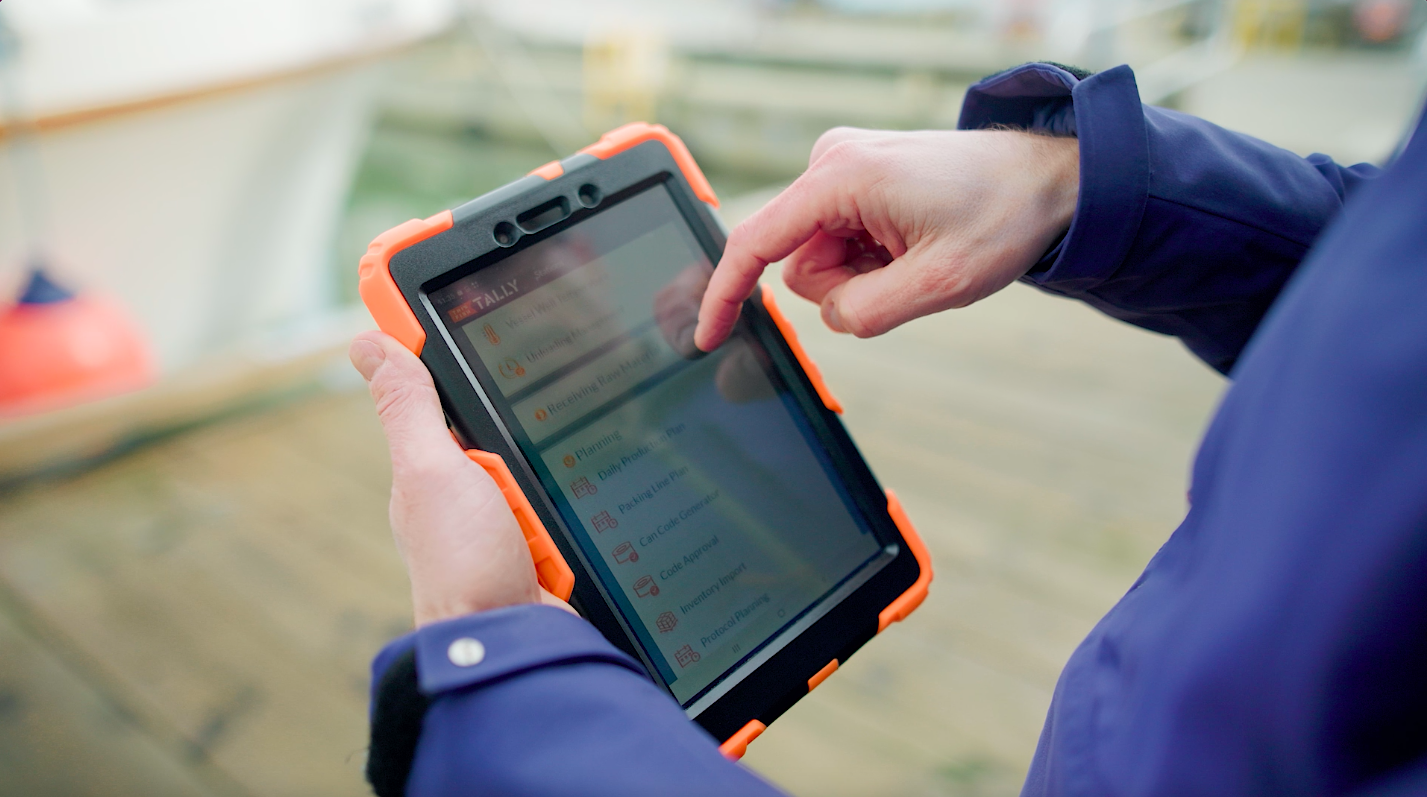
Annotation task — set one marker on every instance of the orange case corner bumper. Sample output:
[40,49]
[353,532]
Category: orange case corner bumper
[550,567]
[908,601]
[549,171]
[378,290]
[635,133]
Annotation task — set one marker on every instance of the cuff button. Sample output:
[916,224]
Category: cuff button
[466,652]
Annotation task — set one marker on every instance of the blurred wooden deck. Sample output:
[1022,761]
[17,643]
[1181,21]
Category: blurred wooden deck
[196,618]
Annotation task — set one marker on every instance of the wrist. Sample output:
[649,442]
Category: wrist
[1058,162]
[427,613]
[436,605]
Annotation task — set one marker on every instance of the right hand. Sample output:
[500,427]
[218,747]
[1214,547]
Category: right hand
[885,227]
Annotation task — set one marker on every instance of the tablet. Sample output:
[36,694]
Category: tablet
[707,512]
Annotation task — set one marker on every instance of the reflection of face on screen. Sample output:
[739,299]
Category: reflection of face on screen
[691,483]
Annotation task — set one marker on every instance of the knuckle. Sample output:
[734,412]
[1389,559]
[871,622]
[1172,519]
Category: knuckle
[859,163]
[738,237]
[833,135]
[830,138]
[952,287]
[396,398]
[743,244]
[878,160]
[842,154]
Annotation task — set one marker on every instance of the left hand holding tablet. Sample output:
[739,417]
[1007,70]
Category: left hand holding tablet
[463,549]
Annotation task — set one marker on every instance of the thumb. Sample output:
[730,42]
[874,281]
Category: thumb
[406,401]
[882,299]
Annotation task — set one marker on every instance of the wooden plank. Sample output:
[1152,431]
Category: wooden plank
[232,586]
[59,735]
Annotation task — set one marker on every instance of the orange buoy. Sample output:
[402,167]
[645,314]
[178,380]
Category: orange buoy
[58,349]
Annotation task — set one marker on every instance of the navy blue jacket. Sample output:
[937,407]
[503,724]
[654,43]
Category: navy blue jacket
[1276,644]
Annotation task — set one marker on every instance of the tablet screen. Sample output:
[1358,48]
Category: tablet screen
[693,484]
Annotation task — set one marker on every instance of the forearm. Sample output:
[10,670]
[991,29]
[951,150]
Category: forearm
[1181,227]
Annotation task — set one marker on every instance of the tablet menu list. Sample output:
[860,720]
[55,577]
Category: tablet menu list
[691,483]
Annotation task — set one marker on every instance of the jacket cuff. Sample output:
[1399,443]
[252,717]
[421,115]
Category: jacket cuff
[388,656]
[488,646]
[1104,112]
[1032,96]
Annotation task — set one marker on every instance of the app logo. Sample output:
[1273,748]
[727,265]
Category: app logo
[603,522]
[666,622]
[491,335]
[569,460]
[541,414]
[582,487]
[645,587]
[624,553]
[686,656]
[510,369]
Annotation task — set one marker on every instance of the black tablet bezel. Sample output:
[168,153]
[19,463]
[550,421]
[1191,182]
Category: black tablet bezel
[470,244]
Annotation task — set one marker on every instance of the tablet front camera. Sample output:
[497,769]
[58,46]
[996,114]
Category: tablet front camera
[506,234]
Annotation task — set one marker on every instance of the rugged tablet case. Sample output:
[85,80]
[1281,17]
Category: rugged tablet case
[400,267]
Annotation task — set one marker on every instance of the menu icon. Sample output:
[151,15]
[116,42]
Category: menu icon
[510,368]
[624,553]
[686,656]
[604,521]
[582,487]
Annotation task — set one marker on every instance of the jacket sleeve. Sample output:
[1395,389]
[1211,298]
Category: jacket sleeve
[1277,642]
[531,700]
[1182,227]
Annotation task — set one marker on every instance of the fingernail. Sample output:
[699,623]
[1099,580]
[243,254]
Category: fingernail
[366,357]
[831,318]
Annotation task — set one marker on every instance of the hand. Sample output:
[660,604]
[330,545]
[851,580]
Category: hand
[886,227]
[462,546]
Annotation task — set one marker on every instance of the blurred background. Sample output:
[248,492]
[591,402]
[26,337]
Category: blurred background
[195,564]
